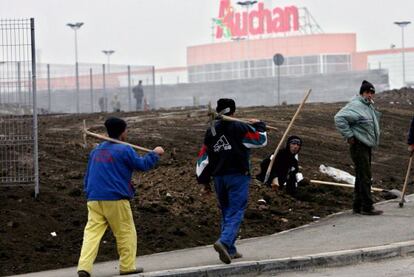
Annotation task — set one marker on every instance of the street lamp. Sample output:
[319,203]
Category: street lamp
[108,53]
[402,24]
[75,27]
[247,4]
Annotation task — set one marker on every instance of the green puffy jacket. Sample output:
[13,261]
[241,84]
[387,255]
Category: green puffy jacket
[359,119]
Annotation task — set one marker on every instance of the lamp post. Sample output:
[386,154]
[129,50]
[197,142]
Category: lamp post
[247,4]
[402,24]
[108,53]
[75,27]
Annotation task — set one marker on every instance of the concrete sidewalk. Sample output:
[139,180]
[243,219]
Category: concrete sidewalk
[343,238]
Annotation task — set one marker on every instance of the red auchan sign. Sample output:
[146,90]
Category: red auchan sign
[258,21]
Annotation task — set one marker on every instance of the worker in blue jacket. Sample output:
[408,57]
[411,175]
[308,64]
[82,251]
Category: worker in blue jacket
[108,190]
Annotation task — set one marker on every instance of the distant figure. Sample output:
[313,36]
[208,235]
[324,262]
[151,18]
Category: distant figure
[138,91]
[103,102]
[116,104]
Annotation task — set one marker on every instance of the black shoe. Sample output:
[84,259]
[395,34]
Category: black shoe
[136,271]
[222,250]
[83,273]
[373,211]
[356,211]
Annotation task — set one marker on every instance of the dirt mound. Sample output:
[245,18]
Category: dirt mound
[169,210]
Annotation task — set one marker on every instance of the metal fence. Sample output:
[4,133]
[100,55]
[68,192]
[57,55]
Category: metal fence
[88,88]
[18,111]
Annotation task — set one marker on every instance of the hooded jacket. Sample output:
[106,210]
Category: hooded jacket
[359,119]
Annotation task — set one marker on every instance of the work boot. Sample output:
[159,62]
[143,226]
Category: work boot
[222,250]
[373,211]
[237,255]
[136,271]
[83,273]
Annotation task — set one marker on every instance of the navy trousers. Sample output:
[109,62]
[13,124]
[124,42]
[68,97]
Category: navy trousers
[232,194]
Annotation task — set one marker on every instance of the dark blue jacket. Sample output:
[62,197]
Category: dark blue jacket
[109,171]
[228,152]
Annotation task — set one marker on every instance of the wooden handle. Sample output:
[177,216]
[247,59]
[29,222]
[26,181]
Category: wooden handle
[269,168]
[407,175]
[341,185]
[91,134]
[230,118]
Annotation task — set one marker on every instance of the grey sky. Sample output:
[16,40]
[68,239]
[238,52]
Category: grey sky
[158,31]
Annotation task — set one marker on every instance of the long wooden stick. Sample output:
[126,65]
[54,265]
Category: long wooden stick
[269,168]
[407,175]
[342,185]
[230,118]
[214,114]
[91,134]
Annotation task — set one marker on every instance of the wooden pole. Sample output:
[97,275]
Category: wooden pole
[91,134]
[230,118]
[342,185]
[407,175]
[269,168]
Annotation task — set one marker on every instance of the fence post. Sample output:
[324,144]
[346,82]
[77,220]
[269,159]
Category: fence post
[49,94]
[91,88]
[105,97]
[129,89]
[19,82]
[77,86]
[35,148]
[153,89]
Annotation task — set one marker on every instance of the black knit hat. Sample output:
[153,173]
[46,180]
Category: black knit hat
[224,103]
[115,127]
[294,139]
[366,86]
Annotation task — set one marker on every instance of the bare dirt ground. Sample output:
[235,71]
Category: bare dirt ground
[170,212]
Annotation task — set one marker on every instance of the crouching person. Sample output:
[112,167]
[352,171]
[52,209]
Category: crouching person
[108,189]
[285,169]
[225,156]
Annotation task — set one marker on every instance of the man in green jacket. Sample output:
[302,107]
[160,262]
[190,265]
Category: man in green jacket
[358,122]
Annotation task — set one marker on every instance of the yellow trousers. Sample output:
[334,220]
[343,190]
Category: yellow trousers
[118,215]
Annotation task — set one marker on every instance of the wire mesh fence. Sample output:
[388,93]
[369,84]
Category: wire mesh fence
[18,112]
[96,88]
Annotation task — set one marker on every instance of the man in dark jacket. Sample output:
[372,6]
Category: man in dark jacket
[358,122]
[225,156]
[285,169]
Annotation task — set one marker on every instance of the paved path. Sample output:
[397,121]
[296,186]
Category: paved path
[340,239]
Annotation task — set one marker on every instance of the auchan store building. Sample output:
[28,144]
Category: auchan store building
[248,34]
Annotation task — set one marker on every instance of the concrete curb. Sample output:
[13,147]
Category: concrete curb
[336,258]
